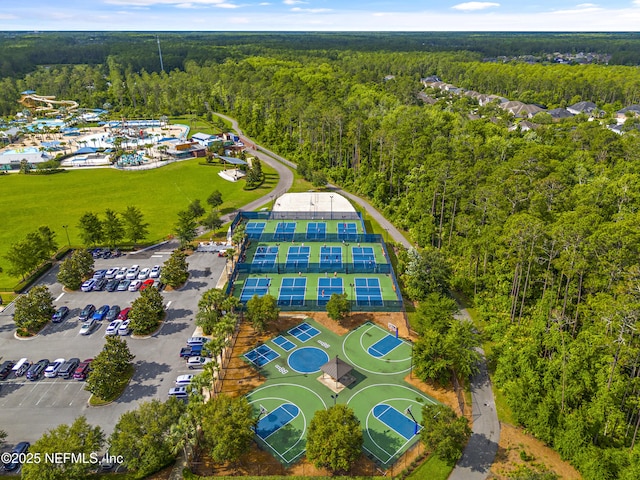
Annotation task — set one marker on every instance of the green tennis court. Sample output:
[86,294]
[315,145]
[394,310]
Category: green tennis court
[388,408]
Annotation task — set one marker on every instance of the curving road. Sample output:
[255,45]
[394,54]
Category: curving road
[480,452]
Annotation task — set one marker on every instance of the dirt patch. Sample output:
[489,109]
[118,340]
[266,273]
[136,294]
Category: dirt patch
[443,395]
[518,450]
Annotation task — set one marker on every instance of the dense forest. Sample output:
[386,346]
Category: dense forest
[541,228]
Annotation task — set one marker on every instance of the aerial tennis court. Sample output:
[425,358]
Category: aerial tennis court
[298,257]
[285,231]
[347,231]
[254,286]
[265,257]
[368,292]
[292,291]
[363,258]
[254,229]
[327,287]
[384,346]
[304,332]
[261,355]
[316,231]
[330,258]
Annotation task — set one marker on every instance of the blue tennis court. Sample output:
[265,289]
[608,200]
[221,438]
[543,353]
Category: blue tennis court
[316,231]
[363,258]
[327,287]
[254,230]
[347,231]
[298,257]
[285,231]
[277,419]
[292,291]
[384,346]
[283,343]
[261,355]
[368,292]
[254,286]
[304,332]
[265,257]
[330,257]
[395,420]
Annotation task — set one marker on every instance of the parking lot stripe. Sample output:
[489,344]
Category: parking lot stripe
[45,393]
[59,296]
[157,256]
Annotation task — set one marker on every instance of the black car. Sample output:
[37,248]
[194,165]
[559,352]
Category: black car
[60,314]
[113,313]
[112,285]
[35,370]
[5,369]
[191,351]
[100,284]
[68,368]
[86,312]
[17,451]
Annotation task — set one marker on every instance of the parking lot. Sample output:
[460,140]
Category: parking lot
[28,409]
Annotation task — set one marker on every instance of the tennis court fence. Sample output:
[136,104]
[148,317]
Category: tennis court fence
[291,267]
[227,353]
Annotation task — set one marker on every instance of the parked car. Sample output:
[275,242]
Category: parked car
[147,283]
[112,329]
[111,273]
[88,326]
[21,367]
[155,271]
[184,380]
[197,362]
[124,313]
[98,274]
[52,369]
[60,314]
[17,453]
[113,313]
[5,368]
[68,368]
[197,341]
[83,369]
[124,285]
[124,329]
[132,272]
[100,284]
[101,313]
[112,285]
[122,273]
[134,285]
[88,285]
[35,370]
[143,274]
[178,392]
[191,351]
[86,312]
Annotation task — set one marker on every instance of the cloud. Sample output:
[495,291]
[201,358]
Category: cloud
[311,10]
[292,2]
[148,3]
[472,6]
[582,8]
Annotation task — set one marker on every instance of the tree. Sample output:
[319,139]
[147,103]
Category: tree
[212,221]
[338,307]
[112,228]
[210,308]
[428,271]
[134,226]
[79,438]
[318,178]
[186,227]
[23,258]
[90,229]
[143,436]
[34,309]
[228,425]
[443,432]
[108,367]
[334,440]
[46,240]
[215,199]
[75,268]
[175,270]
[435,312]
[261,311]
[196,209]
[147,311]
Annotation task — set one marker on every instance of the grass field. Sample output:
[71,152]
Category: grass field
[29,201]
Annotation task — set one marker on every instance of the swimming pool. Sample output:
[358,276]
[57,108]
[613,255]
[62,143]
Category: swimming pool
[21,150]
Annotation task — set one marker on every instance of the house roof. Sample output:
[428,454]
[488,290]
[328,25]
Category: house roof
[233,160]
[201,136]
[630,108]
[583,107]
[560,113]
[336,368]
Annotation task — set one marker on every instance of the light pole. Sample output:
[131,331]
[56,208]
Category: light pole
[278,257]
[331,198]
[66,230]
[352,299]
[335,399]
[346,254]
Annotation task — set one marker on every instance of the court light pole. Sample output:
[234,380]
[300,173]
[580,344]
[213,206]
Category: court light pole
[331,198]
[335,399]
[352,297]
[278,257]
[66,230]
[346,254]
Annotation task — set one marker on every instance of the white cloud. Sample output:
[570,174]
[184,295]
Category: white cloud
[586,5]
[147,3]
[226,5]
[5,16]
[292,2]
[472,6]
[310,10]
[583,8]
[264,4]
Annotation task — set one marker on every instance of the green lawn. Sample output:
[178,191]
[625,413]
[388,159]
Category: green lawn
[29,201]
[433,469]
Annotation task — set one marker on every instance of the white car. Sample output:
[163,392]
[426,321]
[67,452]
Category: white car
[144,274]
[113,327]
[124,329]
[52,370]
[155,271]
[178,392]
[134,285]
[198,362]
[111,273]
[88,285]
[132,273]
[121,274]
[88,326]
[184,380]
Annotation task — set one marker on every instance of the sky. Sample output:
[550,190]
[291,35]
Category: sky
[320,15]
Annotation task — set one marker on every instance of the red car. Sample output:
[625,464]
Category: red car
[83,369]
[147,283]
[124,313]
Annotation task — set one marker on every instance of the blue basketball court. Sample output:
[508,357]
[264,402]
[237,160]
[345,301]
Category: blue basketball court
[395,420]
[347,231]
[277,419]
[368,292]
[304,332]
[265,257]
[327,287]
[363,258]
[331,257]
[254,230]
[285,231]
[292,291]
[298,257]
[316,231]
[283,343]
[261,355]
[384,346]
[254,286]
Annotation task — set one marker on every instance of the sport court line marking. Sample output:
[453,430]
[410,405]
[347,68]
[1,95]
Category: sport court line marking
[292,385]
[59,297]
[284,425]
[390,455]
[365,350]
